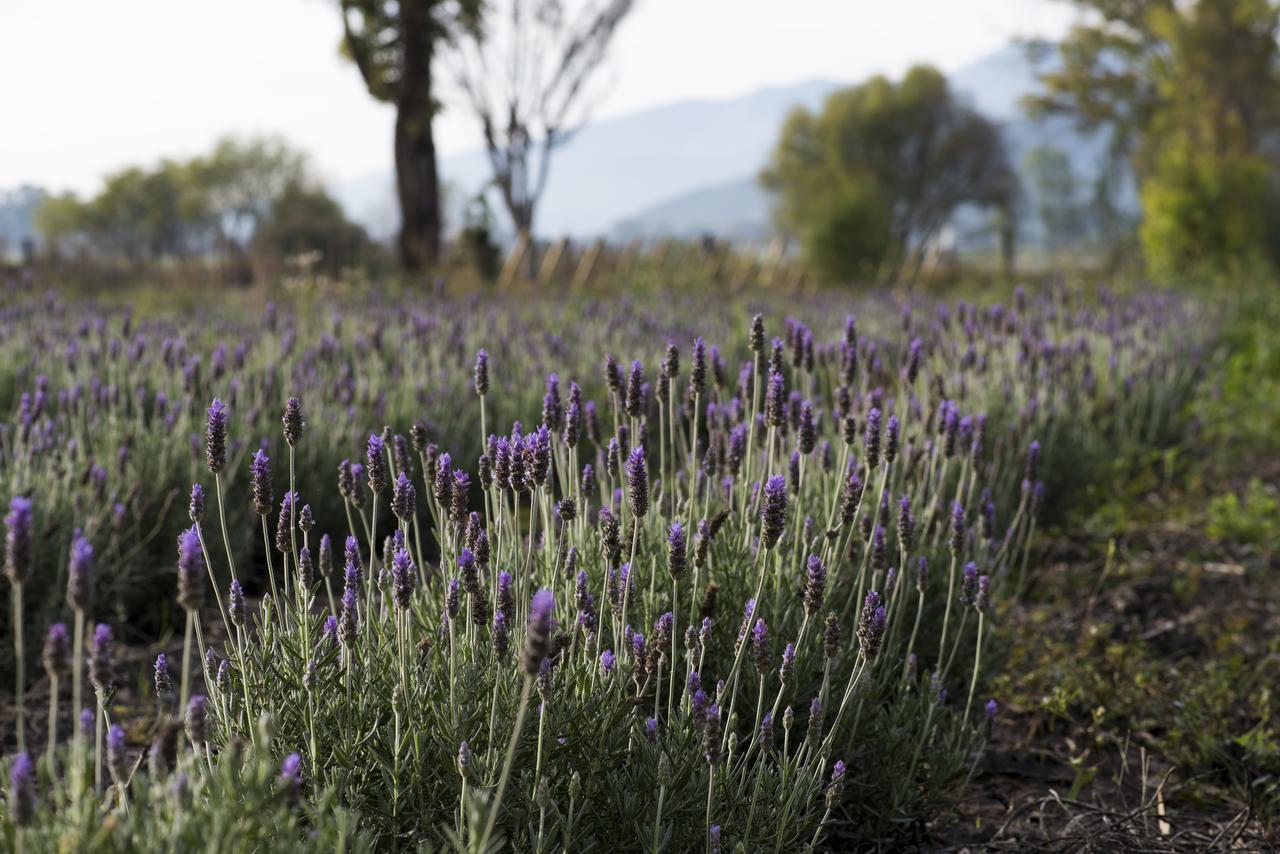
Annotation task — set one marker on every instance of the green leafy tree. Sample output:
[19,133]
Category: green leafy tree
[894,161]
[306,220]
[1188,93]
[394,44]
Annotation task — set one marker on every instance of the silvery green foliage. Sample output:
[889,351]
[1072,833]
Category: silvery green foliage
[776,691]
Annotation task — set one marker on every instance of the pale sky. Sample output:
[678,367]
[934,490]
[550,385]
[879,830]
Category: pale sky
[88,86]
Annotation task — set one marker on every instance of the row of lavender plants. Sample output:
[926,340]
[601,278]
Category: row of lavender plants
[680,607]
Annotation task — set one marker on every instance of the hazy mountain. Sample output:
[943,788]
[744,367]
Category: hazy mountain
[617,167]
[738,210]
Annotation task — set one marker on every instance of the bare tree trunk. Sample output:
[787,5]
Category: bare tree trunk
[417,183]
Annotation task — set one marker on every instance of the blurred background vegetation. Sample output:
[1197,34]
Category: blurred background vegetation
[1143,142]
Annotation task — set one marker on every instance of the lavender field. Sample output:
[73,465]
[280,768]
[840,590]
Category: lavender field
[700,573]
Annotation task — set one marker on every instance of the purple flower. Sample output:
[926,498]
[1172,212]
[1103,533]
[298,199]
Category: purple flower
[651,730]
[481,373]
[79,575]
[293,422]
[100,658]
[607,662]
[957,528]
[57,650]
[195,509]
[376,464]
[352,574]
[190,570]
[537,642]
[164,680]
[637,649]
[788,668]
[981,599]
[871,439]
[403,575]
[115,754]
[195,723]
[871,626]
[775,401]
[403,498]
[260,481]
[17,539]
[633,400]
[711,735]
[760,647]
[215,437]
[773,511]
[501,635]
[22,790]
[349,619]
[291,778]
[235,603]
[969,583]
[638,483]
[836,787]
[677,560]
[815,585]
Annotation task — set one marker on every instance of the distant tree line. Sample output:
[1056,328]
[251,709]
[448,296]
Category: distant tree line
[245,201]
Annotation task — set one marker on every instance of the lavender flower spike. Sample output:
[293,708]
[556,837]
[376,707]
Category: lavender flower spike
[22,791]
[537,642]
[215,437]
[190,570]
[18,539]
[773,512]
[638,483]
[79,578]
